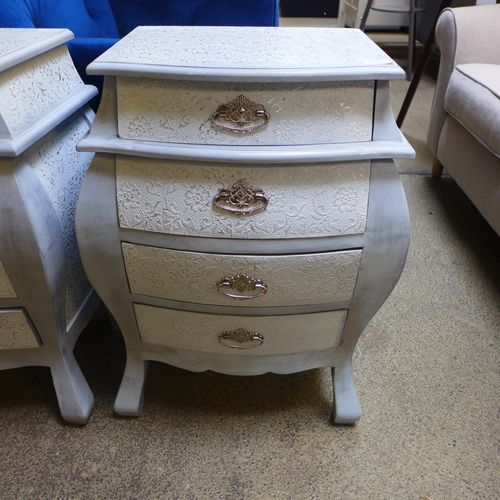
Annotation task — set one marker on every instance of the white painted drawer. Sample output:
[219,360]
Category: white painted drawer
[16,331]
[282,280]
[175,197]
[273,335]
[290,113]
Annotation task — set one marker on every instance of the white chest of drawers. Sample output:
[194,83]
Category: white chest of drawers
[243,213]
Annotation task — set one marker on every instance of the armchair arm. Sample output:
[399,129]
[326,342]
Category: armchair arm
[463,35]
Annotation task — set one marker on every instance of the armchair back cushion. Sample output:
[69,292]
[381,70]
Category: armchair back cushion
[132,13]
[116,18]
[463,35]
[85,18]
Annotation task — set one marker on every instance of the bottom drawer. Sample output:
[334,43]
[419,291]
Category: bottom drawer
[247,335]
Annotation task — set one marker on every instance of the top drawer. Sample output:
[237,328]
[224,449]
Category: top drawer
[254,86]
[278,114]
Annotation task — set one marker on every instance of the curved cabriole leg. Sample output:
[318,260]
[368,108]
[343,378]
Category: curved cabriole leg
[33,251]
[437,168]
[385,248]
[346,409]
[73,393]
[130,398]
[99,241]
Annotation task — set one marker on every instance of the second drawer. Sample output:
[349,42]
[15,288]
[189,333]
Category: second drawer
[265,281]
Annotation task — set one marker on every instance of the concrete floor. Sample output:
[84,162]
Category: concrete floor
[427,372]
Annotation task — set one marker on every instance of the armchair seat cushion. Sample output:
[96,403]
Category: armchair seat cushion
[473,99]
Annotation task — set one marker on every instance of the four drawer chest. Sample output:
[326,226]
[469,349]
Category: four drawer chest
[243,213]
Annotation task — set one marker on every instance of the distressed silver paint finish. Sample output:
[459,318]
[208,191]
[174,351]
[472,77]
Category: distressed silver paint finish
[48,301]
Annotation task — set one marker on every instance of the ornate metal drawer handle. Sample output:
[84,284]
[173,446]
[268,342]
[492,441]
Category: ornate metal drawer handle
[240,113]
[241,339]
[241,198]
[242,283]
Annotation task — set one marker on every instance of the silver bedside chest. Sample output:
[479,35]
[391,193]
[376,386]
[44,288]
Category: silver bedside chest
[242,213]
[45,298]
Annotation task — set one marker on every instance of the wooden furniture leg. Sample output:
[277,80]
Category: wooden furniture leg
[437,168]
[422,63]
[365,15]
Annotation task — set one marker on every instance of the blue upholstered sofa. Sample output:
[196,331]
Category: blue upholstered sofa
[98,24]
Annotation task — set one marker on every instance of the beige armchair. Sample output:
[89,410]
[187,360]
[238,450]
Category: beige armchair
[464,127]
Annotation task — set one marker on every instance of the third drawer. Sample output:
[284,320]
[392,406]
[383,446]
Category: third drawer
[243,280]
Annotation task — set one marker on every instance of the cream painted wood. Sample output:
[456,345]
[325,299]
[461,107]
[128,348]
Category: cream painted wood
[45,299]
[280,334]
[143,204]
[196,277]
[308,200]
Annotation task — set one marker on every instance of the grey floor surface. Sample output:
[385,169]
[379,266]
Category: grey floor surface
[427,372]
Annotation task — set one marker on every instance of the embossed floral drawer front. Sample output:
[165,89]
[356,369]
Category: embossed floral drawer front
[305,113]
[16,331]
[32,89]
[212,333]
[310,200]
[241,280]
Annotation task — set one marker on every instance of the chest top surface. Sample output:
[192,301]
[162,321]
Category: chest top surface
[248,53]
[20,44]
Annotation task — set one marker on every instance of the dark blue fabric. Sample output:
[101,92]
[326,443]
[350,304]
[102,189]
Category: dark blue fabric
[85,18]
[84,51]
[132,13]
[16,14]
[116,18]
